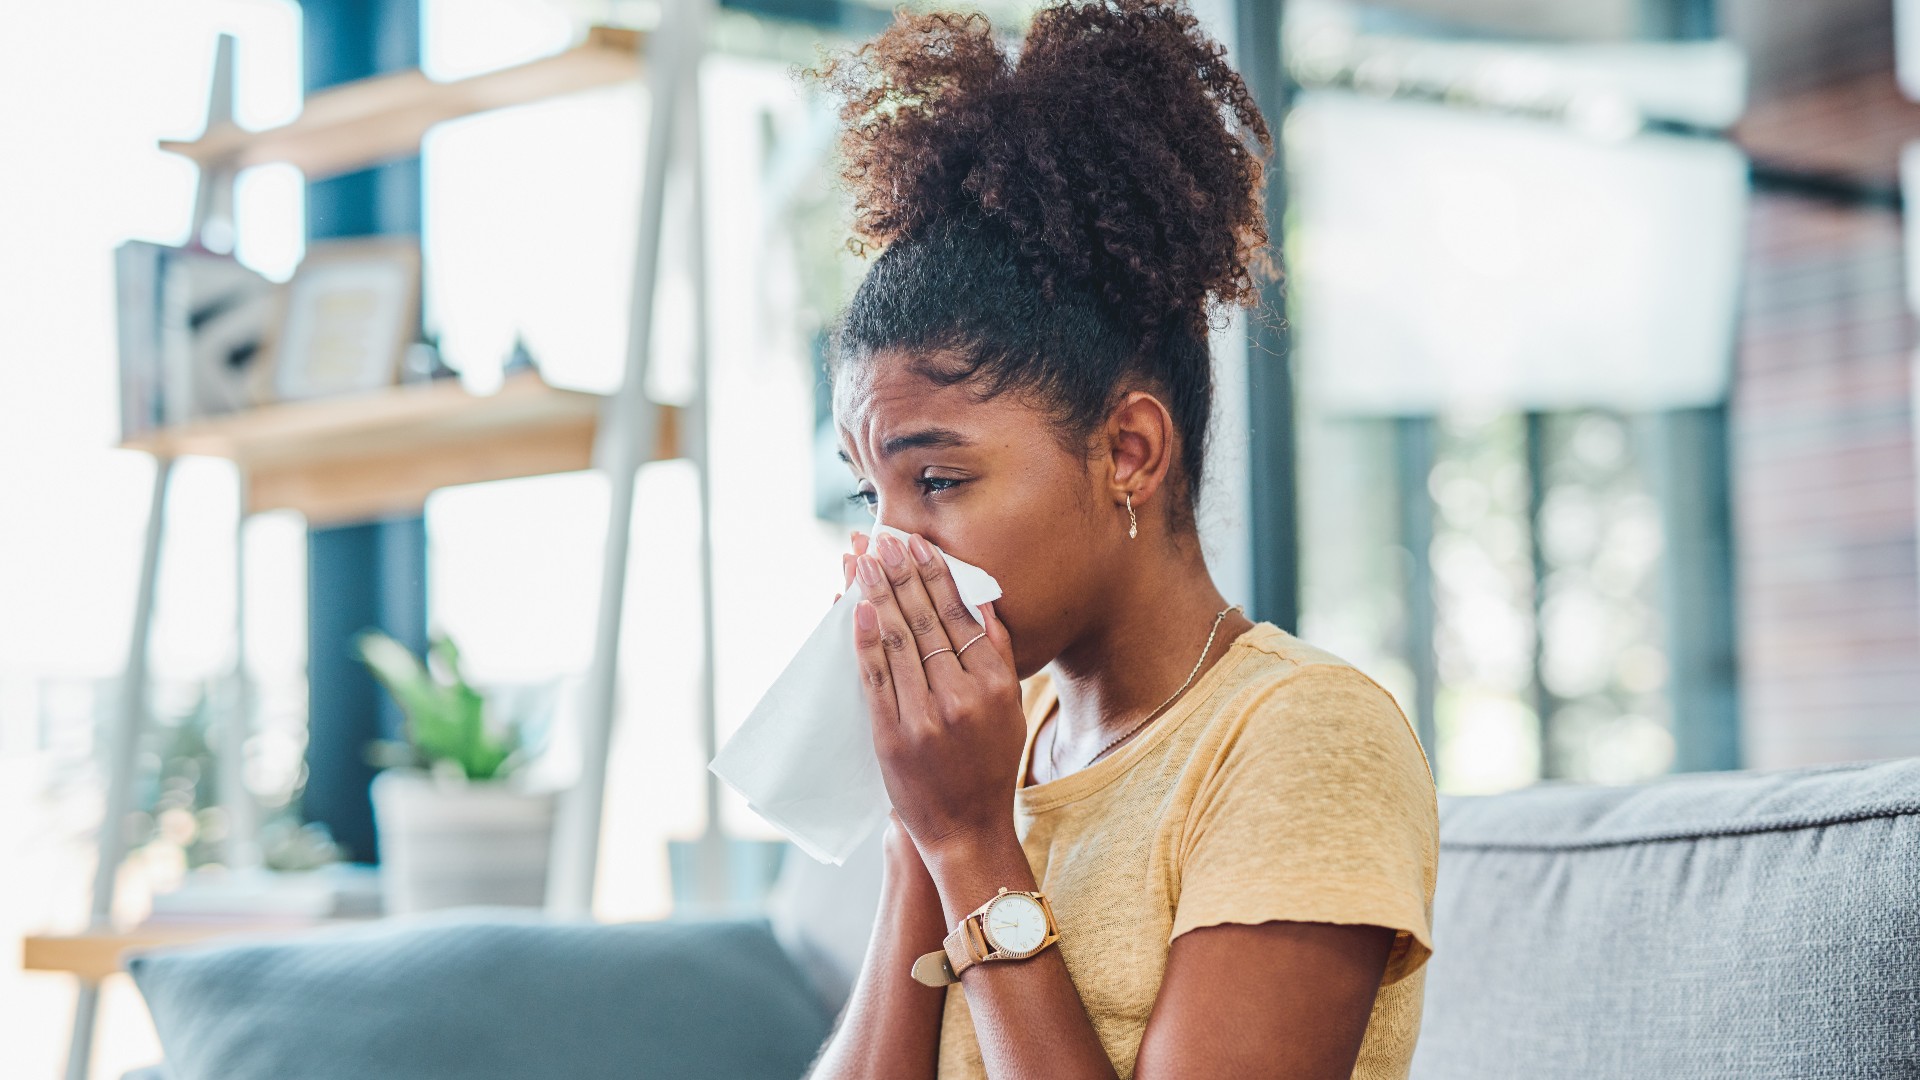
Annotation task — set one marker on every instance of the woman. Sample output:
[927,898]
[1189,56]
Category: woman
[1234,832]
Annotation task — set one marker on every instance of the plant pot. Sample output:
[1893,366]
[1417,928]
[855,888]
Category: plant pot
[450,844]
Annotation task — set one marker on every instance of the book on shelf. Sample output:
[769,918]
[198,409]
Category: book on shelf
[337,891]
[193,326]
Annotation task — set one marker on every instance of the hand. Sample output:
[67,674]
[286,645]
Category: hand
[860,541]
[948,730]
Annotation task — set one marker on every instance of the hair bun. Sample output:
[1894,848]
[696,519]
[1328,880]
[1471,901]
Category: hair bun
[1119,150]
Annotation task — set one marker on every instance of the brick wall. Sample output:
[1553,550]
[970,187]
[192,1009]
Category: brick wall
[1824,488]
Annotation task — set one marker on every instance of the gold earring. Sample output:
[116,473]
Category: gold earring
[1133,523]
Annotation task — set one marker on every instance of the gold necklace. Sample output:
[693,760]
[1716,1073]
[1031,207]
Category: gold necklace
[1053,741]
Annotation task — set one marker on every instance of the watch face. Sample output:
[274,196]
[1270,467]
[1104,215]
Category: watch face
[1015,924]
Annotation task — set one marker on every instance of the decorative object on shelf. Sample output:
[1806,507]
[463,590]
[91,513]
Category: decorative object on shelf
[423,362]
[519,358]
[456,826]
[192,328]
[351,311]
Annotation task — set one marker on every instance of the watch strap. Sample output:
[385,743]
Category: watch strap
[932,969]
[945,964]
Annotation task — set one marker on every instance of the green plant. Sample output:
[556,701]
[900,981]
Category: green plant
[178,804]
[180,808]
[446,718]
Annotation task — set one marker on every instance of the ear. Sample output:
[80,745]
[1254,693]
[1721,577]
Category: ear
[1140,446]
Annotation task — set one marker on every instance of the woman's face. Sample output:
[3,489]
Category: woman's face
[989,483]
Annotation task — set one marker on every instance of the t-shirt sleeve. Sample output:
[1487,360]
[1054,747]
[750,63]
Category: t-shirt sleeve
[1317,807]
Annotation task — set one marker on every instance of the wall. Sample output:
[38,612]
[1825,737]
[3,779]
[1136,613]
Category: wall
[1824,488]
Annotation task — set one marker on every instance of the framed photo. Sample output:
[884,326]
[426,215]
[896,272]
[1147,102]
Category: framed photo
[351,310]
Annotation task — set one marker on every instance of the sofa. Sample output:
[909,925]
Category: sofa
[1752,925]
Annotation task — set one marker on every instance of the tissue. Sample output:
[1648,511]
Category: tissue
[804,758]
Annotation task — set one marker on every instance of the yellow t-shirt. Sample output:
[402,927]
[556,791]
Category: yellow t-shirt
[1285,784]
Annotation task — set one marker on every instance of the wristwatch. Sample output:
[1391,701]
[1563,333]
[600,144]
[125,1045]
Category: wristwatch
[1011,926]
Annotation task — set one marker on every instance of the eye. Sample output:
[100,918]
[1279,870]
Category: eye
[865,498]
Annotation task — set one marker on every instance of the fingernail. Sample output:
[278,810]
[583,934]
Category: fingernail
[892,552]
[869,570]
[920,548]
[863,615]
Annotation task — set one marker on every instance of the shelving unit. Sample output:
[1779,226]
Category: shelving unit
[353,458]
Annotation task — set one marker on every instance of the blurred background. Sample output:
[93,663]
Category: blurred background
[1590,431]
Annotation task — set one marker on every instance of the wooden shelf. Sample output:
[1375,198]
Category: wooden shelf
[368,455]
[95,954]
[373,120]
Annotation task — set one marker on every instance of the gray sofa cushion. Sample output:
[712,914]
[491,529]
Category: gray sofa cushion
[1749,925]
[486,994]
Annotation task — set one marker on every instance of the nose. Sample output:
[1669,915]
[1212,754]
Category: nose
[906,521]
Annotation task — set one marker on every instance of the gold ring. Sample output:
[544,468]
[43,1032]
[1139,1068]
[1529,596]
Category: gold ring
[971,640]
[937,652]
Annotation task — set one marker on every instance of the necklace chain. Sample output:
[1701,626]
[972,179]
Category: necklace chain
[1053,742]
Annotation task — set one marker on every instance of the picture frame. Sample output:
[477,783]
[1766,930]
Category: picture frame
[349,314]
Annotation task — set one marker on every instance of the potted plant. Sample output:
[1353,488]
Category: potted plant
[456,825]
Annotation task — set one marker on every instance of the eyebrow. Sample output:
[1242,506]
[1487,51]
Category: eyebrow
[916,439]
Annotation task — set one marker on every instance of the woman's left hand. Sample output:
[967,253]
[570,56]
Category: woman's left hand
[948,729]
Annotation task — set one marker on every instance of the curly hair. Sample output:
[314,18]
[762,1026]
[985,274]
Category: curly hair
[1066,221]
